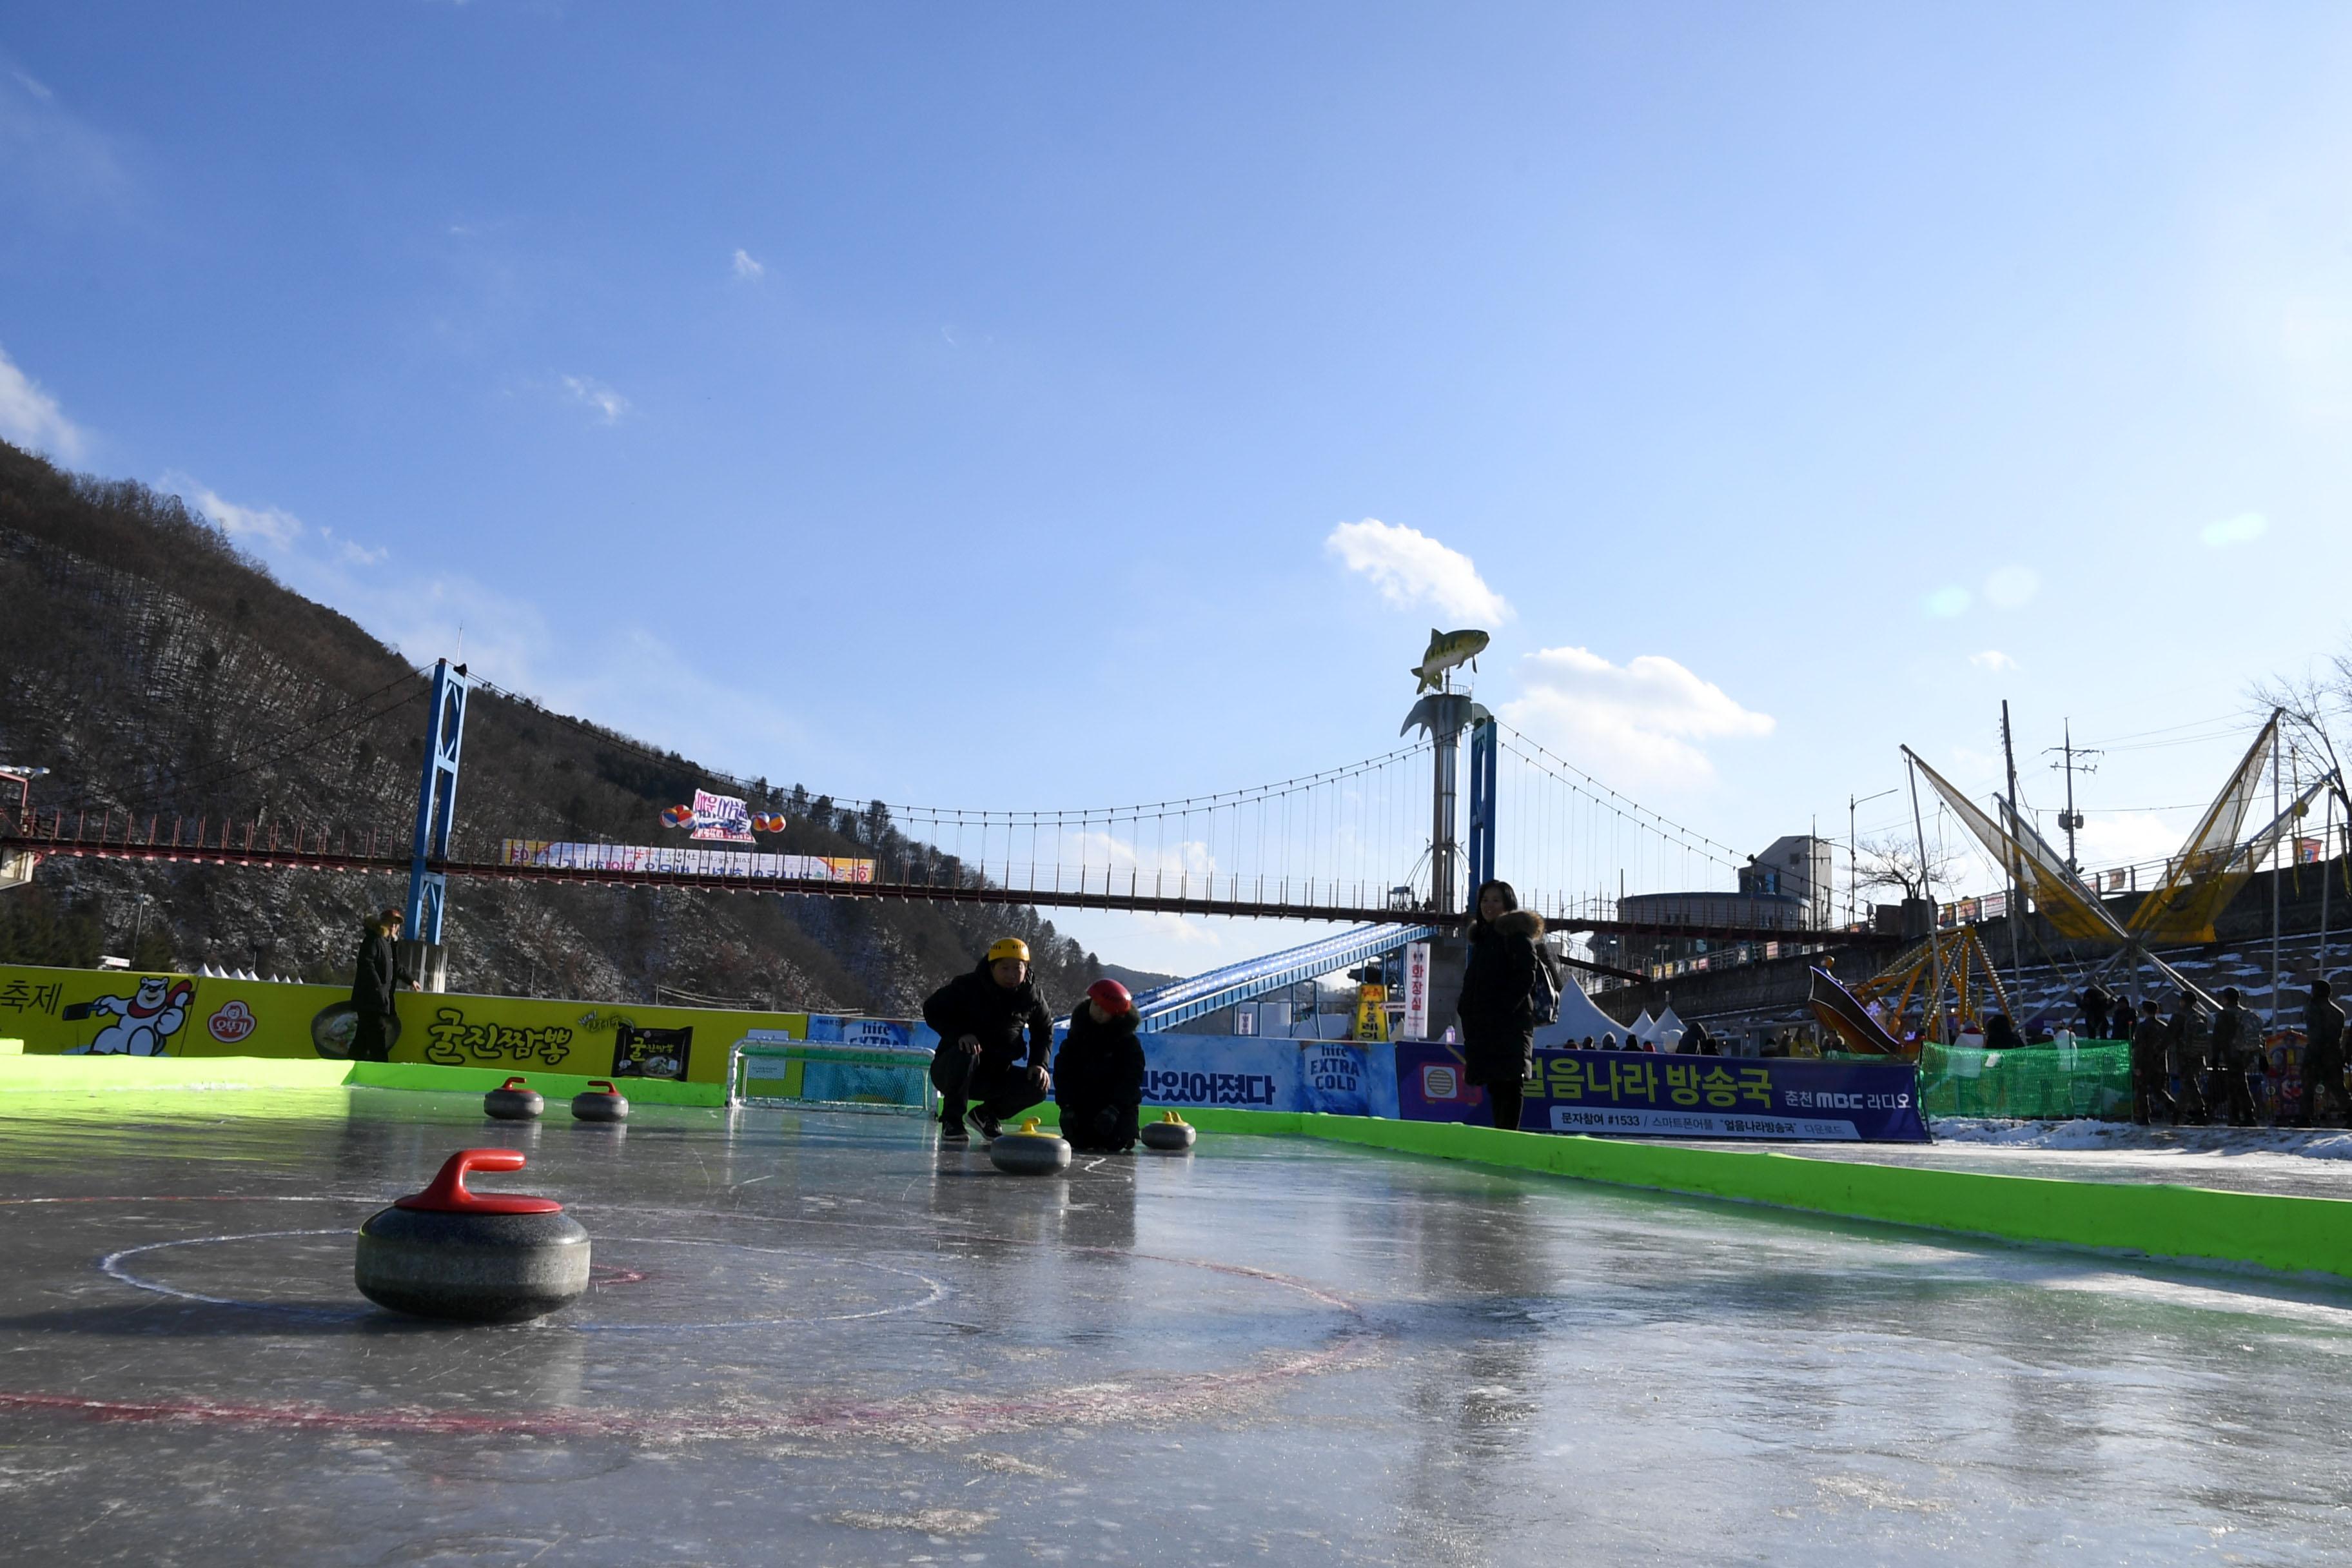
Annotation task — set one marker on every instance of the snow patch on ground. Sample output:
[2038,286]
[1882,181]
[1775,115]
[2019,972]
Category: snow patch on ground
[2310,1143]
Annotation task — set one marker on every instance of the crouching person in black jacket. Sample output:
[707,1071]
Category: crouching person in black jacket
[980,1018]
[1099,1077]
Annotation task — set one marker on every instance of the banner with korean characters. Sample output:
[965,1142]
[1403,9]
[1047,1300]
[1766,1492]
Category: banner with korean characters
[1645,1095]
[93,1012]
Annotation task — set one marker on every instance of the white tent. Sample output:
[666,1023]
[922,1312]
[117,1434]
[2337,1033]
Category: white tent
[1578,1018]
[1669,1030]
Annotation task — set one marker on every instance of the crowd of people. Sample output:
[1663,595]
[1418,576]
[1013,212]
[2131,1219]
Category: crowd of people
[2189,1069]
[996,1038]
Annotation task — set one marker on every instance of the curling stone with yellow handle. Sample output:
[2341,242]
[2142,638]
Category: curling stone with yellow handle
[1172,1134]
[1029,1151]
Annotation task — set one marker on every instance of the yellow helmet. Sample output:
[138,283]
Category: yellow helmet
[1008,947]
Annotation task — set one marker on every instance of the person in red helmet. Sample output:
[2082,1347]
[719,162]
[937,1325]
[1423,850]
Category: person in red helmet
[1099,1077]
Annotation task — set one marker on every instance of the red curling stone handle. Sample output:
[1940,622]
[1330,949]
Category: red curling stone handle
[448,1195]
[517,1082]
[604,1083]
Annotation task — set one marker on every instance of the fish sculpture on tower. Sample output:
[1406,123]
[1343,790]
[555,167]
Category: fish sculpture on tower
[1447,651]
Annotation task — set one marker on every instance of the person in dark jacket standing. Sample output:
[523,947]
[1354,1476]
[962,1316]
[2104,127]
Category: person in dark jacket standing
[1498,1008]
[2323,1055]
[375,983]
[2186,1062]
[2096,1004]
[2226,1053]
[2149,1039]
[1099,1075]
[980,1018]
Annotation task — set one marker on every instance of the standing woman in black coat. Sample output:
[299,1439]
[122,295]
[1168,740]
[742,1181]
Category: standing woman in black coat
[1499,1007]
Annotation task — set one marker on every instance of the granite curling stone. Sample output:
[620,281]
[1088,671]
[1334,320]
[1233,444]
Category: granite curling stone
[472,1258]
[1172,1134]
[513,1100]
[1029,1151]
[599,1102]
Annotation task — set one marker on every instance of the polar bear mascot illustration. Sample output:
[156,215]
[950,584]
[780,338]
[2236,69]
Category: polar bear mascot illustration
[144,1021]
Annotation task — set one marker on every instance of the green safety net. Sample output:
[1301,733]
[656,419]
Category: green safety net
[2091,1078]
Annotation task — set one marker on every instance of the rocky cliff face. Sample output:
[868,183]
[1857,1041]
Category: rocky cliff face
[157,672]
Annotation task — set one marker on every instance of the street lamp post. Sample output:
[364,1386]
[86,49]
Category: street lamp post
[1852,865]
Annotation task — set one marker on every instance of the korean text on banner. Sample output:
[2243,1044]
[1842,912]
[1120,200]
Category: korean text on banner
[679,860]
[1641,1094]
[723,817]
[1415,1024]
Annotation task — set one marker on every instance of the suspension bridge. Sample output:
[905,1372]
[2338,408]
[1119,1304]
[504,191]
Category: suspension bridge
[1375,844]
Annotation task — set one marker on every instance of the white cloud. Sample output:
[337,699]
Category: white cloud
[2012,587]
[251,526]
[608,404]
[1638,722]
[1410,568]
[1950,601]
[1993,659]
[748,268]
[31,419]
[2242,529]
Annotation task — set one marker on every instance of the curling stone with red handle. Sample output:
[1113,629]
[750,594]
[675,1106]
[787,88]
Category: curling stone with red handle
[599,1102]
[472,1258]
[513,1100]
[1172,1134]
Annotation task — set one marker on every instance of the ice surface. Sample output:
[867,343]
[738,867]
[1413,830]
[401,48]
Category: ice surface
[820,1339]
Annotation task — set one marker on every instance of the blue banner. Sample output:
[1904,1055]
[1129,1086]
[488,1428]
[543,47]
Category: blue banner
[1641,1094]
[1338,1077]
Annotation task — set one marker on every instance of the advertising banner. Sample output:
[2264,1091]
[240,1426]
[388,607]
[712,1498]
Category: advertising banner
[92,1012]
[1372,1011]
[721,816]
[682,861]
[1337,1078]
[1642,1094]
[1414,1026]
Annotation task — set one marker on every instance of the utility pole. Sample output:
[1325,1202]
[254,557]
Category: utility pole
[1931,1017]
[2016,879]
[2069,758]
[1853,864]
[2276,811]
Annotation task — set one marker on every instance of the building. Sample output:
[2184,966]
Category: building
[1785,888]
[1801,867]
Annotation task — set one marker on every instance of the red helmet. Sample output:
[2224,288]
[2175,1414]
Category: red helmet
[1111,996]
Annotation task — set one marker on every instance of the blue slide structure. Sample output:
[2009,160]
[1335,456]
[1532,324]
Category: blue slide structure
[1182,1000]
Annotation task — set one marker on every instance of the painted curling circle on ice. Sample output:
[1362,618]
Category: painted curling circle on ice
[950,1414]
[921,1289]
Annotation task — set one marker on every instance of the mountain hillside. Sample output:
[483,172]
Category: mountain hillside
[154,668]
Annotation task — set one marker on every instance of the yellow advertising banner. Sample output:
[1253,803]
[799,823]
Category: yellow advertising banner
[97,1012]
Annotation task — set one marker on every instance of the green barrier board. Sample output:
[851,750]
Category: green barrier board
[2155,1219]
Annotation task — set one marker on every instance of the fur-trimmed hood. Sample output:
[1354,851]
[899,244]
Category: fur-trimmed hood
[1521,922]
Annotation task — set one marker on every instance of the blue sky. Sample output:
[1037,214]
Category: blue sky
[964,403]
